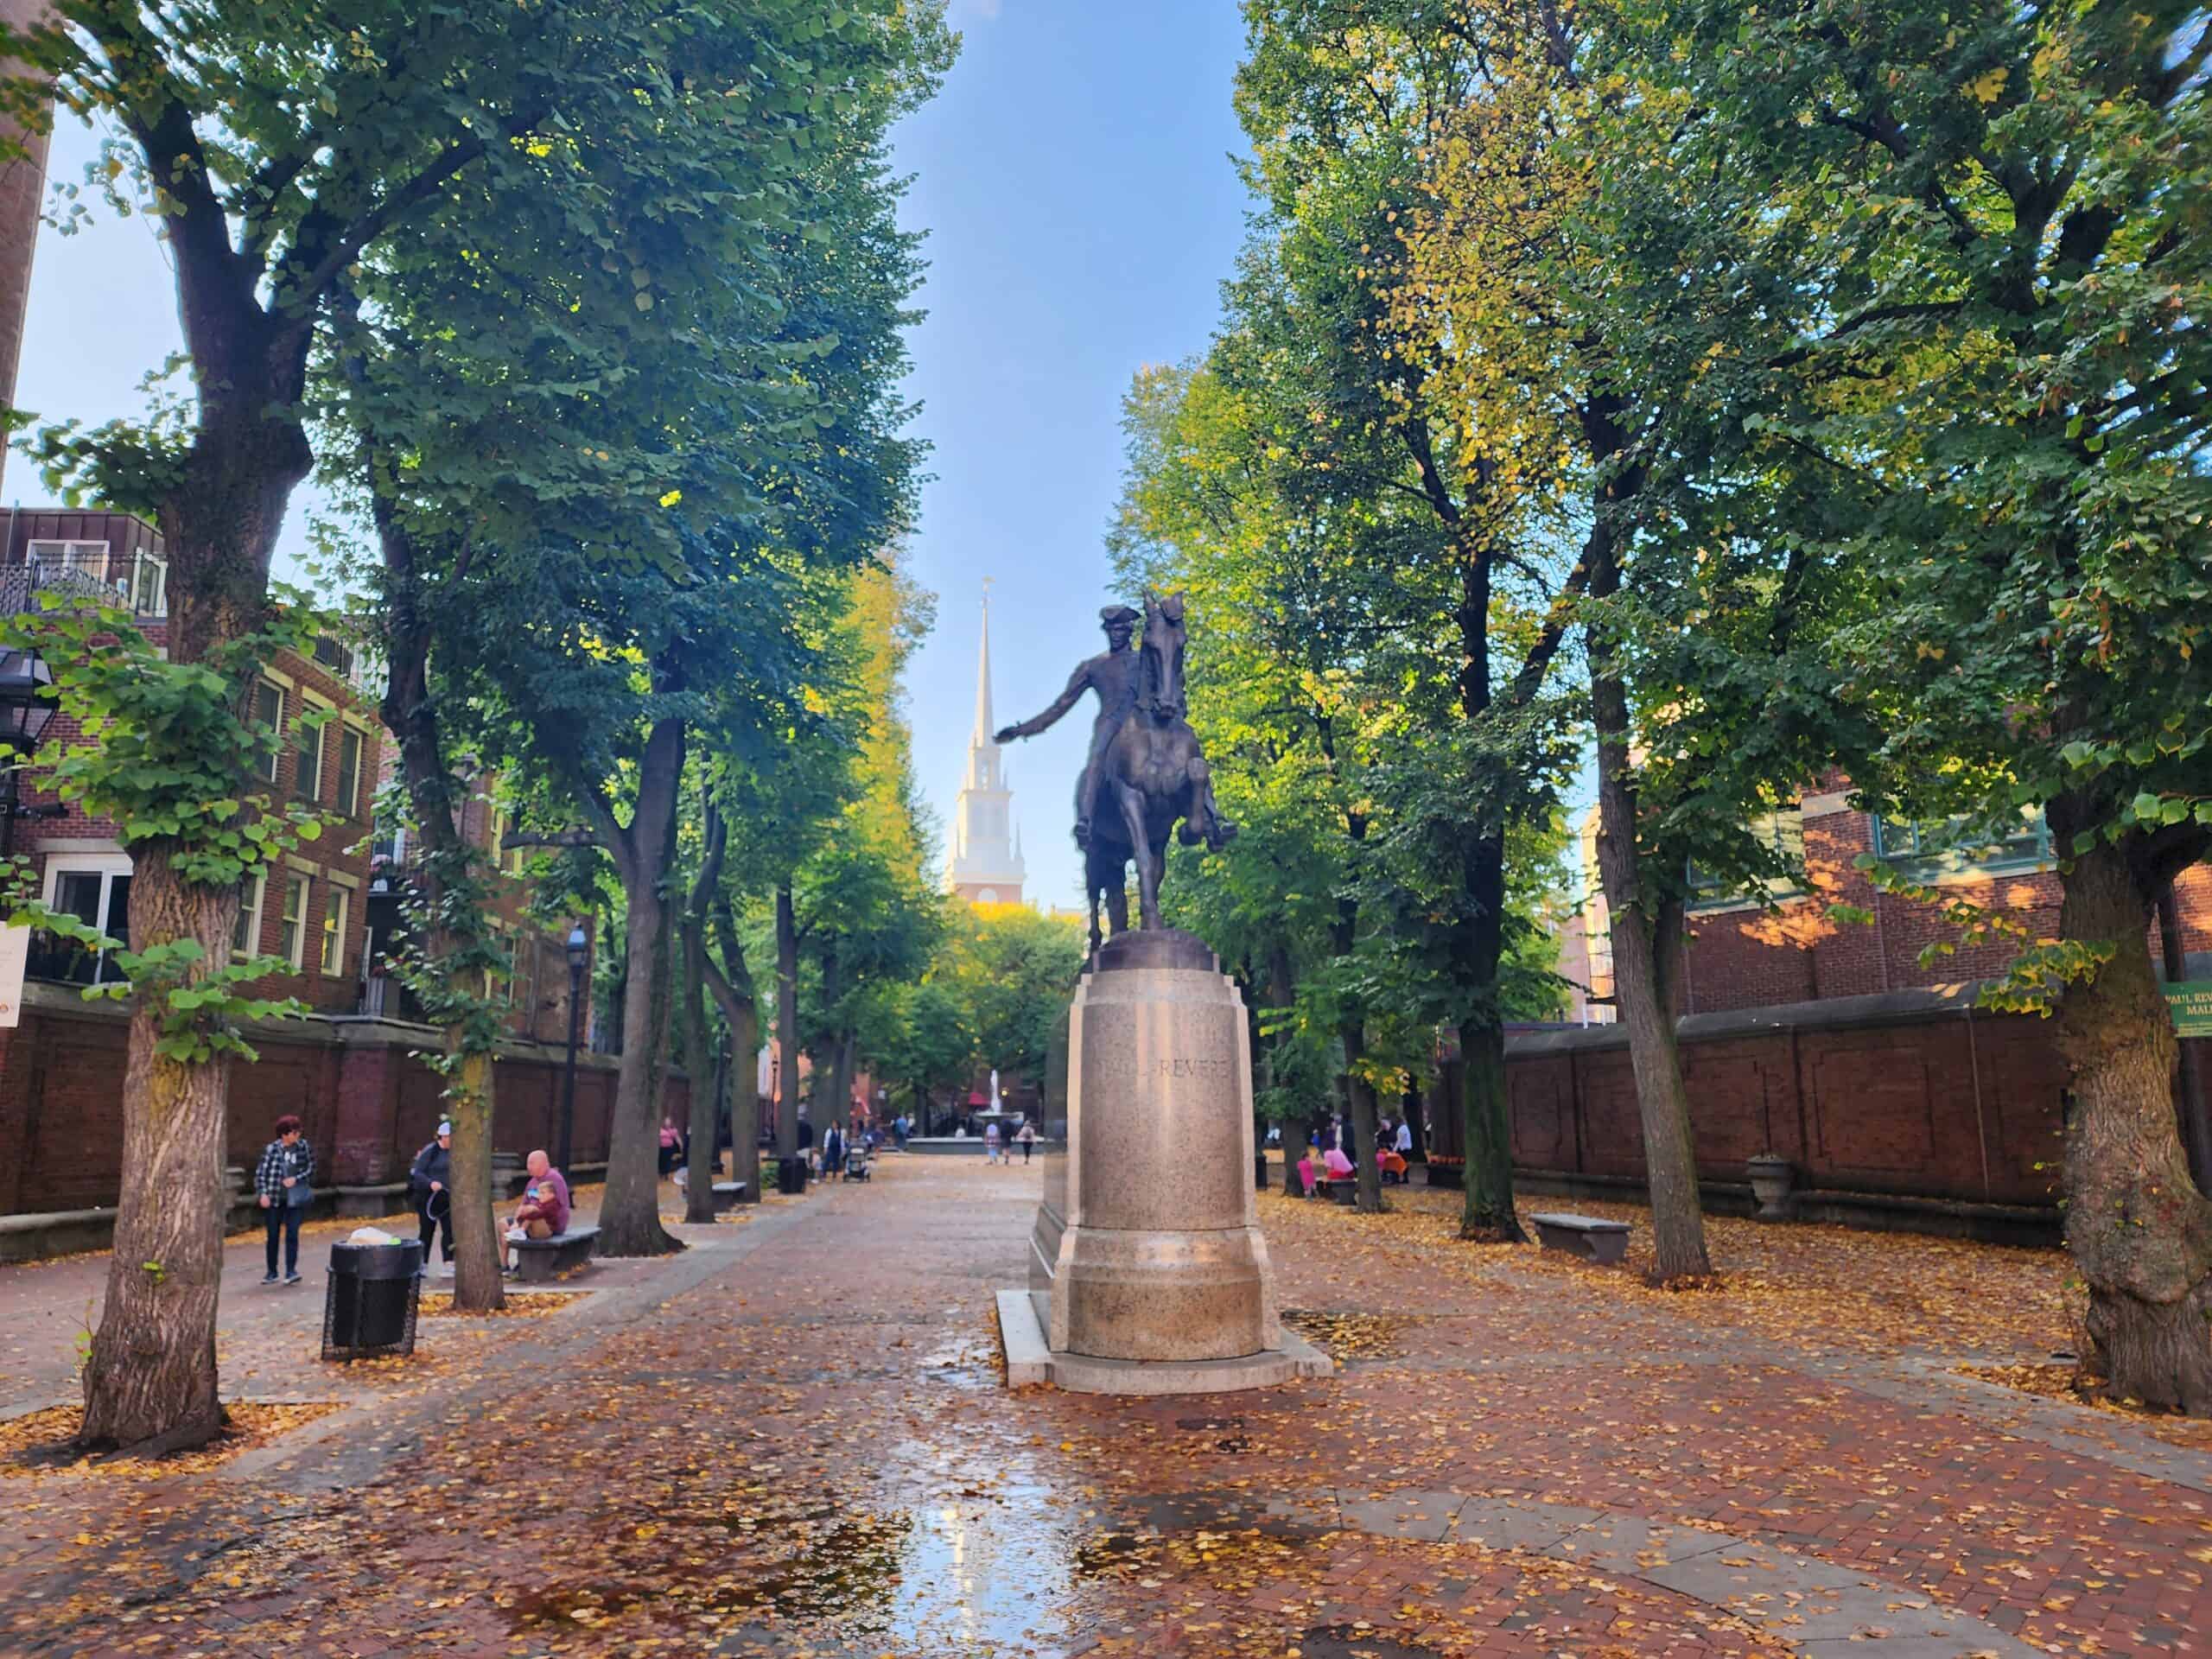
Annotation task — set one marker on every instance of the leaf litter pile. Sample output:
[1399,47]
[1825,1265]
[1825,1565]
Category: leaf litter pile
[44,1442]
[515,1305]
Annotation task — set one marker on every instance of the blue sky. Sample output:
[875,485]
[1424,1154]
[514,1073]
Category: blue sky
[1075,180]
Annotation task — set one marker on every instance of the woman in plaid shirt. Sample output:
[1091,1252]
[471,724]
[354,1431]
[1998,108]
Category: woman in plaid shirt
[281,1181]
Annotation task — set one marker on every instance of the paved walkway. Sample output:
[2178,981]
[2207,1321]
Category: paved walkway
[792,1441]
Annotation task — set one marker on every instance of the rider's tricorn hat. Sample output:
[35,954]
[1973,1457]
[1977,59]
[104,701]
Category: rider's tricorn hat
[1109,614]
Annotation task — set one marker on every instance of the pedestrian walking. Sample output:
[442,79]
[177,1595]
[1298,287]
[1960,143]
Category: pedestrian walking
[669,1141]
[991,1141]
[833,1152]
[430,1184]
[283,1181]
[1028,1139]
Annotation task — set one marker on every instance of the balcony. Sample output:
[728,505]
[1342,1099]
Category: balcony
[80,572]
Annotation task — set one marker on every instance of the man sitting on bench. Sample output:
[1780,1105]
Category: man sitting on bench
[543,1212]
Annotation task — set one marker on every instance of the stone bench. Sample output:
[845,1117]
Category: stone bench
[1584,1236]
[729,1195]
[538,1260]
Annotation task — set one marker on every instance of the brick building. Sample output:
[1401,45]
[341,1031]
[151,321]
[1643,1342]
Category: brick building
[1740,953]
[311,912]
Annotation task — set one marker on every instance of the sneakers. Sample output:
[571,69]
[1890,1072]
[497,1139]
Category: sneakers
[445,1269]
[291,1278]
[269,1279]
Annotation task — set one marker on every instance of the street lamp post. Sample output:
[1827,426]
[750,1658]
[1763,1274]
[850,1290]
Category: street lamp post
[579,949]
[25,710]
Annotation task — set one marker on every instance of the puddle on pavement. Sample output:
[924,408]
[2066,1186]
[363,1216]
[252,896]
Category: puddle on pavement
[988,1571]
[970,1367]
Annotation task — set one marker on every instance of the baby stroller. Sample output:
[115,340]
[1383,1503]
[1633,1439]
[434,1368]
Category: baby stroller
[856,1163]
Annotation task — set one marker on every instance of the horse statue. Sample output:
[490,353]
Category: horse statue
[1151,775]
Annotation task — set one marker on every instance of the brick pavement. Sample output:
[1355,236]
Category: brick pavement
[792,1441]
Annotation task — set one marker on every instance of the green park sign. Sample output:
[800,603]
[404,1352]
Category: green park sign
[2191,1003]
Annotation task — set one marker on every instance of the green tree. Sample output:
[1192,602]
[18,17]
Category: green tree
[1012,970]
[1339,104]
[2003,209]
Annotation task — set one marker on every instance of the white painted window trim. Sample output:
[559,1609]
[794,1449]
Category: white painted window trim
[337,899]
[342,725]
[297,955]
[273,763]
[253,927]
[107,866]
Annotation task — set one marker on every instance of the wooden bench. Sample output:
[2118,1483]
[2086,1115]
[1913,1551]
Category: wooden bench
[1584,1236]
[729,1195]
[538,1260]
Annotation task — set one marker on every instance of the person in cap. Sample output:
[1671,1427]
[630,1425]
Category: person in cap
[430,1184]
[1113,676]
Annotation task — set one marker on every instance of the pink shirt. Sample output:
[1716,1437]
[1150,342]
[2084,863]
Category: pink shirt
[1338,1164]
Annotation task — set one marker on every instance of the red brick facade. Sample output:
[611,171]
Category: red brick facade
[1742,957]
[367,1104]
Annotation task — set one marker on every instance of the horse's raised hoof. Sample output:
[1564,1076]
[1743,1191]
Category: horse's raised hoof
[1188,837]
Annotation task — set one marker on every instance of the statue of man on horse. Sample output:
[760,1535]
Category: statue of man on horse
[1145,770]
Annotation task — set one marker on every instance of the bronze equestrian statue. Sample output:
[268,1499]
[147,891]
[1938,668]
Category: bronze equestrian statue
[1145,771]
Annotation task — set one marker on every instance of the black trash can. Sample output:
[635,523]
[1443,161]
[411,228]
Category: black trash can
[368,1311]
[790,1174]
[1260,1170]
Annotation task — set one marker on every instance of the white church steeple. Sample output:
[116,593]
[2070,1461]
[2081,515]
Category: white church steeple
[986,865]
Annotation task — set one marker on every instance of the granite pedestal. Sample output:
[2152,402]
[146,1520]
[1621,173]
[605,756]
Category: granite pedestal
[1148,1272]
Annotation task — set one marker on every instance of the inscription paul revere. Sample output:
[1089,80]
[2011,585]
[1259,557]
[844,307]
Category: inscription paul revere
[1112,1049]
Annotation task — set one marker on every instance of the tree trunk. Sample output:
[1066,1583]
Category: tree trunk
[1366,1178]
[1669,1153]
[629,1217]
[432,794]
[841,1092]
[1488,1215]
[2139,1231]
[150,1379]
[786,1025]
[705,1115]
[731,987]
[477,1252]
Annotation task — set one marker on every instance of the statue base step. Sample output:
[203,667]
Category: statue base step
[1030,1361]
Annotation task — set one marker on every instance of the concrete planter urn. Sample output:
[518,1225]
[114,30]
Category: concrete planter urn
[1772,1177]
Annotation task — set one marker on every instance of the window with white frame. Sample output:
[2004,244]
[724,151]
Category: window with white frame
[349,770]
[150,585]
[95,888]
[292,925]
[308,732]
[269,710]
[245,937]
[335,903]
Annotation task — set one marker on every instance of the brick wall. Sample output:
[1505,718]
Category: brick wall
[367,1104]
[1913,1095]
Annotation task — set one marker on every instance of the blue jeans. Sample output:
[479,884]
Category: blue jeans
[284,1218]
